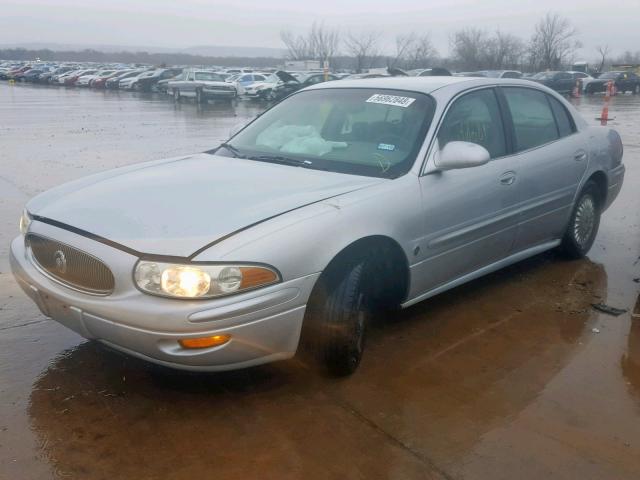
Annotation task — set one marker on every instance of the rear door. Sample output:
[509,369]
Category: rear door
[470,214]
[552,158]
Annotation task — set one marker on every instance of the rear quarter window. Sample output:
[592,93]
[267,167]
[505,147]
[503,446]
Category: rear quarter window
[563,119]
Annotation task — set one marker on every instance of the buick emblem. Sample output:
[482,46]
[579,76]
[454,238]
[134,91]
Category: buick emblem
[61,261]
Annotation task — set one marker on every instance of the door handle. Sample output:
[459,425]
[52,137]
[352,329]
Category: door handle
[507,178]
[580,155]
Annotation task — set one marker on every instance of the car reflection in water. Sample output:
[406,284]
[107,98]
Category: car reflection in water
[462,364]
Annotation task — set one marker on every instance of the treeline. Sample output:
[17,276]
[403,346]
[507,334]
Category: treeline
[552,46]
[135,57]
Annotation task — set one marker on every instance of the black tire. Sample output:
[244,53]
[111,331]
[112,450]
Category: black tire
[176,95]
[583,223]
[344,320]
[636,89]
[265,94]
[199,96]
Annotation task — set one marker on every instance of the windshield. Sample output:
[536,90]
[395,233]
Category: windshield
[373,132]
[208,76]
[609,75]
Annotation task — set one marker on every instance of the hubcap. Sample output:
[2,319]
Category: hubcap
[585,220]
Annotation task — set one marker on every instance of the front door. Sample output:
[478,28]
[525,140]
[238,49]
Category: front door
[469,213]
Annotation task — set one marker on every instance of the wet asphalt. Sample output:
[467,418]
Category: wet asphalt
[514,375]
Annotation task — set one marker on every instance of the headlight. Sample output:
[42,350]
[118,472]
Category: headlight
[25,221]
[201,281]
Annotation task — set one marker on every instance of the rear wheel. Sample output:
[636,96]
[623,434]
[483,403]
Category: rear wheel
[199,96]
[584,222]
[636,89]
[176,95]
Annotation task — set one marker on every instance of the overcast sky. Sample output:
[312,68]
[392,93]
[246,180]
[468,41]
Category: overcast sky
[184,23]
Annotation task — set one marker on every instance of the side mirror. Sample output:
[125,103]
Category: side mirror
[456,155]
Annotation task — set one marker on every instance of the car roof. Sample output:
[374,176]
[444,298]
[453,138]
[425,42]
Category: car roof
[416,84]
[427,85]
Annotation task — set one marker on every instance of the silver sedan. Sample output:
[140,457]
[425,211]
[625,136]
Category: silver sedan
[345,198]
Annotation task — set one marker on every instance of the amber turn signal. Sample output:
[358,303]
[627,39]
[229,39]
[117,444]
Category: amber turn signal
[256,276]
[204,342]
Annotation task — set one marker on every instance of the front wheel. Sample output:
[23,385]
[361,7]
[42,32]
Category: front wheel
[583,224]
[176,95]
[345,316]
[199,96]
[636,89]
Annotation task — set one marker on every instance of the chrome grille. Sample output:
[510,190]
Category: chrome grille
[71,266]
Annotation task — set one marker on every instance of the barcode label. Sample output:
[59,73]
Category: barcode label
[391,100]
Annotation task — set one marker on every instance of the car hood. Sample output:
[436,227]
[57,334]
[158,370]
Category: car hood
[175,207]
[286,77]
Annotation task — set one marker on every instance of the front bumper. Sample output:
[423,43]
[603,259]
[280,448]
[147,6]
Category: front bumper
[264,324]
[218,93]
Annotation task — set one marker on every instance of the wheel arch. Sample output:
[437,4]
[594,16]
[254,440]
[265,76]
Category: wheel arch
[600,179]
[393,264]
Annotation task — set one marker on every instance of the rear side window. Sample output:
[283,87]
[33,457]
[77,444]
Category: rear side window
[565,125]
[475,117]
[533,121]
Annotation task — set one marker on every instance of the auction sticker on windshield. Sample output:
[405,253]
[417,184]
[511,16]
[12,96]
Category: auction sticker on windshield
[391,100]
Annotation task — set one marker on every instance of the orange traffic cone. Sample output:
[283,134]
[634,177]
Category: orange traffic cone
[604,116]
[577,89]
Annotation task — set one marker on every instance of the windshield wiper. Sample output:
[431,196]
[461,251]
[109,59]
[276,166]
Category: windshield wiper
[232,149]
[281,160]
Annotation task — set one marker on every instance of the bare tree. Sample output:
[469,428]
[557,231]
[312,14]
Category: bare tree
[404,45]
[363,47]
[553,42]
[423,53]
[468,48]
[603,51]
[319,43]
[323,41]
[297,46]
[503,51]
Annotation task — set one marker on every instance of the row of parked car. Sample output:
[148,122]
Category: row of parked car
[199,83]
[204,84]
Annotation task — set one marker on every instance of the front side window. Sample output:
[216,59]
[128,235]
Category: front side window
[364,131]
[475,117]
[533,121]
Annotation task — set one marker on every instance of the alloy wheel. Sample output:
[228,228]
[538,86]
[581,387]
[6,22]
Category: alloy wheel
[585,220]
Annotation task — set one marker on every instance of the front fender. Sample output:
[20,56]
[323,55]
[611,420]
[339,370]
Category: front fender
[304,241]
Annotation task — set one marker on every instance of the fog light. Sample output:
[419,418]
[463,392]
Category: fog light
[204,342]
